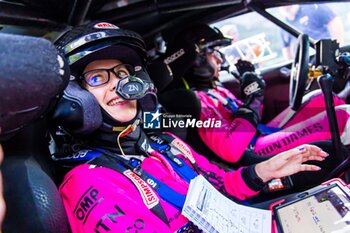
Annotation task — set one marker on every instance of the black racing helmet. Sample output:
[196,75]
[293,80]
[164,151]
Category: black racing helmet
[189,48]
[78,110]
[100,40]
[205,37]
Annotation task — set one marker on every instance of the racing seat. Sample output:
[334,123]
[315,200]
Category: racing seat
[32,76]
[33,204]
[162,76]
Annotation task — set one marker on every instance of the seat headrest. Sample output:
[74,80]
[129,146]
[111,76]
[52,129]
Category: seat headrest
[32,76]
[160,73]
[190,103]
[180,57]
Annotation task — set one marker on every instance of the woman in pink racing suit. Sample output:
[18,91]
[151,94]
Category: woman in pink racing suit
[199,63]
[133,182]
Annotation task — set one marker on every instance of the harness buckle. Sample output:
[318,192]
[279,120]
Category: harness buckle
[160,148]
[136,164]
[137,170]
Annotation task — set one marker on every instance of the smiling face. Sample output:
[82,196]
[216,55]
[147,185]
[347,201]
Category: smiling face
[118,108]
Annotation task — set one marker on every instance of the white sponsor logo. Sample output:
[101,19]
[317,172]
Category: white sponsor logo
[148,196]
[251,88]
[157,139]
[104,25]
[174,56]
[181,146]
[61,64]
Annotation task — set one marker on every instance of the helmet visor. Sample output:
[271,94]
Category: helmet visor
[110,35]
[216,43]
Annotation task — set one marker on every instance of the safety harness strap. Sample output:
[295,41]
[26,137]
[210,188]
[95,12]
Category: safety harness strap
[139,180]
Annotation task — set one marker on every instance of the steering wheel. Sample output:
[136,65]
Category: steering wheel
[299,72]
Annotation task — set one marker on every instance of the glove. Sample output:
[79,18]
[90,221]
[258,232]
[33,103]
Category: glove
[244,66]
[252,85]
[252,90]
[248,114]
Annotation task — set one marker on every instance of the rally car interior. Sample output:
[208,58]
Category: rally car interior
[28,169]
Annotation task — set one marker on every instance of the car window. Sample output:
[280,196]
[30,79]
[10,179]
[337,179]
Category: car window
[254,38]
[323,13]
[319,21]
[264,44]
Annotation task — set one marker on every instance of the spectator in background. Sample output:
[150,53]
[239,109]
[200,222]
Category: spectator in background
[245,49]
[318,21]
[231,52]
[230,31]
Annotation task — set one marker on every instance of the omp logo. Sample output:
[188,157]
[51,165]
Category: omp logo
[148,196]
[174,56]
[151,120]
[87,202]
[251,88]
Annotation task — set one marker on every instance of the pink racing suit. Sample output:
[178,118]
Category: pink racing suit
[308,125]
[99,199]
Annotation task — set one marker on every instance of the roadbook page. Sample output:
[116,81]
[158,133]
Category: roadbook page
[212,212]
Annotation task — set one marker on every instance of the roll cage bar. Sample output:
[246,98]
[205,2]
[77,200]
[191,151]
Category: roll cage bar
[148,17]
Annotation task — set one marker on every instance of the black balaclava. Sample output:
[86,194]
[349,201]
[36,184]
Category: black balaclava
[134,143]
[201,73]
